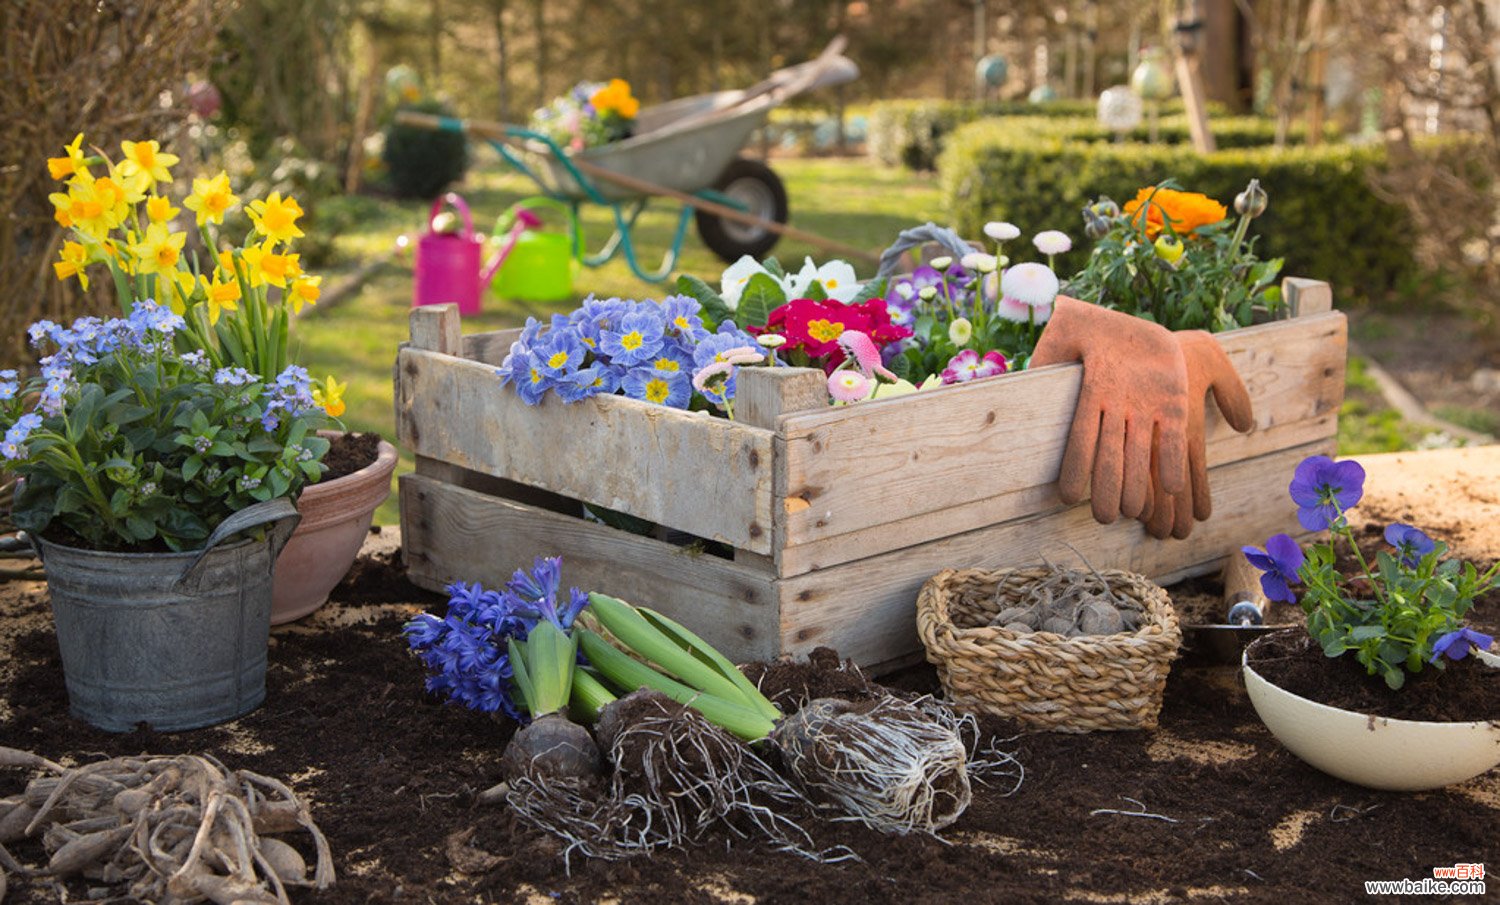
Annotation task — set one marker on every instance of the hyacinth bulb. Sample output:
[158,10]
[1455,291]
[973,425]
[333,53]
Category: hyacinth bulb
[1252,201]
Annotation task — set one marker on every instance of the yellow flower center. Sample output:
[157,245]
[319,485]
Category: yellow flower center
[216,202]
[632,341]
[667,364]
[830,284]
[824,330]
[166,256]
[681,323]
[557,360]
[536,376]
[657,391]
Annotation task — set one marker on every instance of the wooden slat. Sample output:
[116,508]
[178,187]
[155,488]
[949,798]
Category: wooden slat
[449,533]
[885,474]
[706,476]
[1304,297]
[435,328]
[490,348]
[867,609]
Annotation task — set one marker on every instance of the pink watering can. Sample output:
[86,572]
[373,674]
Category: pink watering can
[450,267]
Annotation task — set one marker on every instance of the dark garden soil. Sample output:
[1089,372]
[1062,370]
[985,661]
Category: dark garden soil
[348,453]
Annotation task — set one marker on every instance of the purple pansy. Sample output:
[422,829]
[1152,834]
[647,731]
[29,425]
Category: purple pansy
[1278,564]
[1455,645]
[1324,490]
[1409,542]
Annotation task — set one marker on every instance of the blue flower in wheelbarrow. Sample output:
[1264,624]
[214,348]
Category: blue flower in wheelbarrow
[523,369]
[1324,490]
[559,353]
[638,337]
[591,381]
[466,652]
[1455,645]
[1409,542]
[1278,563]
[649,385]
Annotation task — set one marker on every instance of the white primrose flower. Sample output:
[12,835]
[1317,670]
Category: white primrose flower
[838,279]
[736,276]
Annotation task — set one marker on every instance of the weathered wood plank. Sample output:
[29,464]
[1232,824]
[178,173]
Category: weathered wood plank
[490,348]
[866,609]
[764,395]
[449,533]
[706,476]
[887,473]
[1304,297]
[436,328]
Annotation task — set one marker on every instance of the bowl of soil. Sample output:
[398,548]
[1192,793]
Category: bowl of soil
[1441,728]
[336,515]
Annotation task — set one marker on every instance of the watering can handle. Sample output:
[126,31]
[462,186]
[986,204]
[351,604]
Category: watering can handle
[452,198]
[280,513]
[917,236]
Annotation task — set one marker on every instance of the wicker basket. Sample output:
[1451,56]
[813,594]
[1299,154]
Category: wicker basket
[1042,679]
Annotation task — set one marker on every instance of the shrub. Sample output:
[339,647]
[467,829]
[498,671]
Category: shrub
[423,162]
[911,133]
[1324,219]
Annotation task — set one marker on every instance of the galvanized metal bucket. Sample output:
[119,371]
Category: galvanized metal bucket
[175,640]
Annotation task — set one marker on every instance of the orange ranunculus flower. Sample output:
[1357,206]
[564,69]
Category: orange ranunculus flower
[1185,210]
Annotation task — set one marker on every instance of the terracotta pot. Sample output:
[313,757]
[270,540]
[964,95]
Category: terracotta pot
[336,517]
[1374,751]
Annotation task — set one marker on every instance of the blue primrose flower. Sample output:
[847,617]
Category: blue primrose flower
[591,381]
[682,314]
[1409,542]
[559,353]
[649,385]
[638,337]
[1324,490]
[1278,564]
[1455,645]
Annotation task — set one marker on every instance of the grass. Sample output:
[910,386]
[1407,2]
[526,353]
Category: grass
[850,201]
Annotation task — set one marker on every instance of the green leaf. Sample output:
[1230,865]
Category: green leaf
[816,292]
[715,311]
[872,289]
[1366,632]
[191,466]
[762,295]
[773,266]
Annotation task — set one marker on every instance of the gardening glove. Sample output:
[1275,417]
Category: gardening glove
[1208,370]
[1133,401]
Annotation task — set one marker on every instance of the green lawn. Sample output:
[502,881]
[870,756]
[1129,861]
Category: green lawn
[851,201]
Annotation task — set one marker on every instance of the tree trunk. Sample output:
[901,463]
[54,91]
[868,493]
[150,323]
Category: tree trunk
[539,25]
[502,59]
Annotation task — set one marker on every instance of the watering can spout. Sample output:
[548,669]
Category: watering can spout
[524,220]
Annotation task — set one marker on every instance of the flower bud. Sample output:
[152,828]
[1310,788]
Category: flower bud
[942,263]
[960,331]
[1105,207]
[1252,201]
[771,340]
[1170,249]
[1094,226]
[927,293]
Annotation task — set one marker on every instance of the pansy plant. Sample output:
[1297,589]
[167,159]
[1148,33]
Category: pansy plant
[1398,614]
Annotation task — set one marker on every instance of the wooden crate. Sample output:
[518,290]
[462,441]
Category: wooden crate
[836,516]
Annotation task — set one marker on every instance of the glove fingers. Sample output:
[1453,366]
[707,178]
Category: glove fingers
[1109,468]
[1163,514]
[1228,389]
[1135,490]
[1171,456]
[1184,505]
[1078,457]
[1203,504]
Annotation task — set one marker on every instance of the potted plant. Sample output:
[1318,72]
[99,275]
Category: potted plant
[1380,679]
[236,302]
[158,491]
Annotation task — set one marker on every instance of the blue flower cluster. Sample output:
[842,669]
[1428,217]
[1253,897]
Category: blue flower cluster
[647,350]
[466,652]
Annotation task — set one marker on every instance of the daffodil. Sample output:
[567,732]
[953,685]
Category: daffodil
[89,207]
[74,259]
[63,167]
[160,209]
[146,157]
[185,284]
[304,291]
[330,395]
[160,250]
[124,190]
[276,218]
[221,296]
[266,267]
[211,198]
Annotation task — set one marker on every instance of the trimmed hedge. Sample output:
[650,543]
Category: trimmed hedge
[1323,218]
[910,133]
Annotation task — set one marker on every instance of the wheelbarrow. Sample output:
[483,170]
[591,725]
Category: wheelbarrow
[686,150]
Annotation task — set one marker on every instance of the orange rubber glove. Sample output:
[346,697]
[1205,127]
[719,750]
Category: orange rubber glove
[1209,370]
[1129,430]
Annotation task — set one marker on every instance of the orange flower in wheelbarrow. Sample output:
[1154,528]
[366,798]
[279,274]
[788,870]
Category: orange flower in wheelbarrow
[1185,211]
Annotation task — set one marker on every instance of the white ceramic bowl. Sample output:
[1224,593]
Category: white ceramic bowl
[1381,753]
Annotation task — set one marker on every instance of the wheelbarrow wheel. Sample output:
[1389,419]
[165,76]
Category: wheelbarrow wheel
[759,189]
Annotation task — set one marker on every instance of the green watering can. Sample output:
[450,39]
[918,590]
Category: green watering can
[541,265]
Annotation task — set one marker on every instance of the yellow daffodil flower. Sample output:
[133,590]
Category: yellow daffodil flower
[211,198]
[146,157]
[185,285]
[75,259]
[160,250]
[63,167]
[124,189]
[304,291]
[330,396]
[226,263]
[222,295]
[160,209]
[265,267]
[276,218]
[90,207]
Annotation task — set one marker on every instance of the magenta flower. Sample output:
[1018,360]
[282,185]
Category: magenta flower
[1278,563]
[967,366]
[992,365]
[1324,490]
[862,350]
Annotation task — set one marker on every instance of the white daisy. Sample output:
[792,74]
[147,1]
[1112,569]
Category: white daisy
[1001,231]
[1052,242]
[1030,284]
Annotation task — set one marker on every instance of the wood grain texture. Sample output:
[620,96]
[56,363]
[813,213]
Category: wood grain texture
[490,348]
[1304,297]
[436,328]
[866,609]
[449,533]
[872,477]
[706,476]
[764,395]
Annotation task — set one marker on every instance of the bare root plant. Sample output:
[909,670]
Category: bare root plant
[163,829]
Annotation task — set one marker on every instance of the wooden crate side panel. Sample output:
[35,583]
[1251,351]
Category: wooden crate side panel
[706,476]
[867,609]
[869,477]
[449,533]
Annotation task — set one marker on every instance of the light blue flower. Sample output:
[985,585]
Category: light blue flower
[594,380]
[8,389]
[42,329]
[12,451]
[234,377]
[559,352]
[532,383]
[646,384]
[681,313]
[638,337]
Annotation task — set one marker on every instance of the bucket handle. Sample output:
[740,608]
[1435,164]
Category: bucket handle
[452,198]
[917,236]
[280,513]
[507,219]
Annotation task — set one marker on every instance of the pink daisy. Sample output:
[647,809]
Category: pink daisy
[862,349]
[848,386]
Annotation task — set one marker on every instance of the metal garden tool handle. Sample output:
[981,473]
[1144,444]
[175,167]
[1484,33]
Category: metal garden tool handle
[279,513]
[917,236]
[1245,601]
